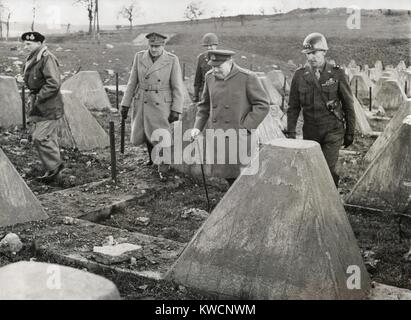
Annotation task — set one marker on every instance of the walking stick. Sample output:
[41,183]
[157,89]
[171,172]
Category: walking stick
[203,175]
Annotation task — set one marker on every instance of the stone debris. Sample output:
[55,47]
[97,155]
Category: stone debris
[109,46]
[144,221]
[11,243]
[197,214]
[69,221]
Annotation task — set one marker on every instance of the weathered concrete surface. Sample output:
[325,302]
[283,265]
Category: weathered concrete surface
[79,127]
[384,292]
[392,126]
[115,253]
[277,78]
[17,203]
[88,88]
[280,234]
[43,281]
[361,122]
[274,96]
[386,184]
[269,129]
[10,102]
[390,96]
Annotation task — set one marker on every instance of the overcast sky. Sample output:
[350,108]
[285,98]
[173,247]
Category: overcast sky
[65,11]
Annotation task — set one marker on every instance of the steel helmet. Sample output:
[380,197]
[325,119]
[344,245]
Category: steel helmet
[209,39]
[314,42]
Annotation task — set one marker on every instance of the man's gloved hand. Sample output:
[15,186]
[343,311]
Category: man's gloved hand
[173,116]
[348,140]
[194,133]
[291,135]
[124,111]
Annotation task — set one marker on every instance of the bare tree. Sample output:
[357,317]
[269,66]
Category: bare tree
[34,10]
[90,6]
[262,11]
[68,27]
[130,12]
[194,11]
[242,19]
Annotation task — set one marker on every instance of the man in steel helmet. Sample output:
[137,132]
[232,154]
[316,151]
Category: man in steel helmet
[323,92]
[210,42]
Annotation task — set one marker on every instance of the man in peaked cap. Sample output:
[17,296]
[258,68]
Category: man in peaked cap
[155,93]
[210,42]
[42,78]
[233,99]
[323,92]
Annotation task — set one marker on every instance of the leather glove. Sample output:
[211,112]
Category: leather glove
[124,111]
[194,133]
[291,135]
[348,140]
[173,116]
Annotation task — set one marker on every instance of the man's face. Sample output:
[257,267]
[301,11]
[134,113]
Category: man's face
[223,69]
[316,59]
[156,50]
[211,47]
[31,46]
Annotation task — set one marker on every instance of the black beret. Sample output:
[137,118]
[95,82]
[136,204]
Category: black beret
[32,36]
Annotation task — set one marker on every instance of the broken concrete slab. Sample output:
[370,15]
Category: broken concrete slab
[115,253]
[395,124]
[79,128]
[17,203]
[10,102]
[386,183]
[43,281]
[88,88]
[153,260]
[280,234]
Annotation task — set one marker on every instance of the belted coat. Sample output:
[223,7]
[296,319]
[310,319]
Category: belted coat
[153,91]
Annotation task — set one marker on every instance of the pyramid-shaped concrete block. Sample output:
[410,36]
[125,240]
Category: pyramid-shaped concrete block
[378,65]
[361,122]
[401,66]
[79,127]
[17,203]
[274,96]
[407,79]
[277,78]
[386,184]
[394,125]
[360,85]
[44,281]
[88,88]
[390,96]
[374,74]
[280,234]
[10,102]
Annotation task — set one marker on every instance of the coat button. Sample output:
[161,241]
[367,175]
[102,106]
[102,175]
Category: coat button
[157,104]
[226,106]
[158,80]
[145,101]
[146,90]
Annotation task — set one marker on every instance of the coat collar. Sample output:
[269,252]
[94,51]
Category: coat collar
[34,57]
[162,61]
[235,69]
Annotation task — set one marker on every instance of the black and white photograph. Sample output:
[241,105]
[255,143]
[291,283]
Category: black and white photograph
[208,153]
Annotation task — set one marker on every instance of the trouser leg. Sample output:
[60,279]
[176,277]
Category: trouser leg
[46,143]
[330,146]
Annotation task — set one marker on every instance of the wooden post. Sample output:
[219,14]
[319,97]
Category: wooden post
[122,134]
[117,106]
[406,88]
[370,98]
[184,71]
[113,153]
[23,106]
[356,88]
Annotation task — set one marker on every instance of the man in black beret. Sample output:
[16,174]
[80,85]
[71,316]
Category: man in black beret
[42,78]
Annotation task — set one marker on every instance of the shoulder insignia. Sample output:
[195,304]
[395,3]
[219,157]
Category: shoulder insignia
[171,54]
[45,53]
